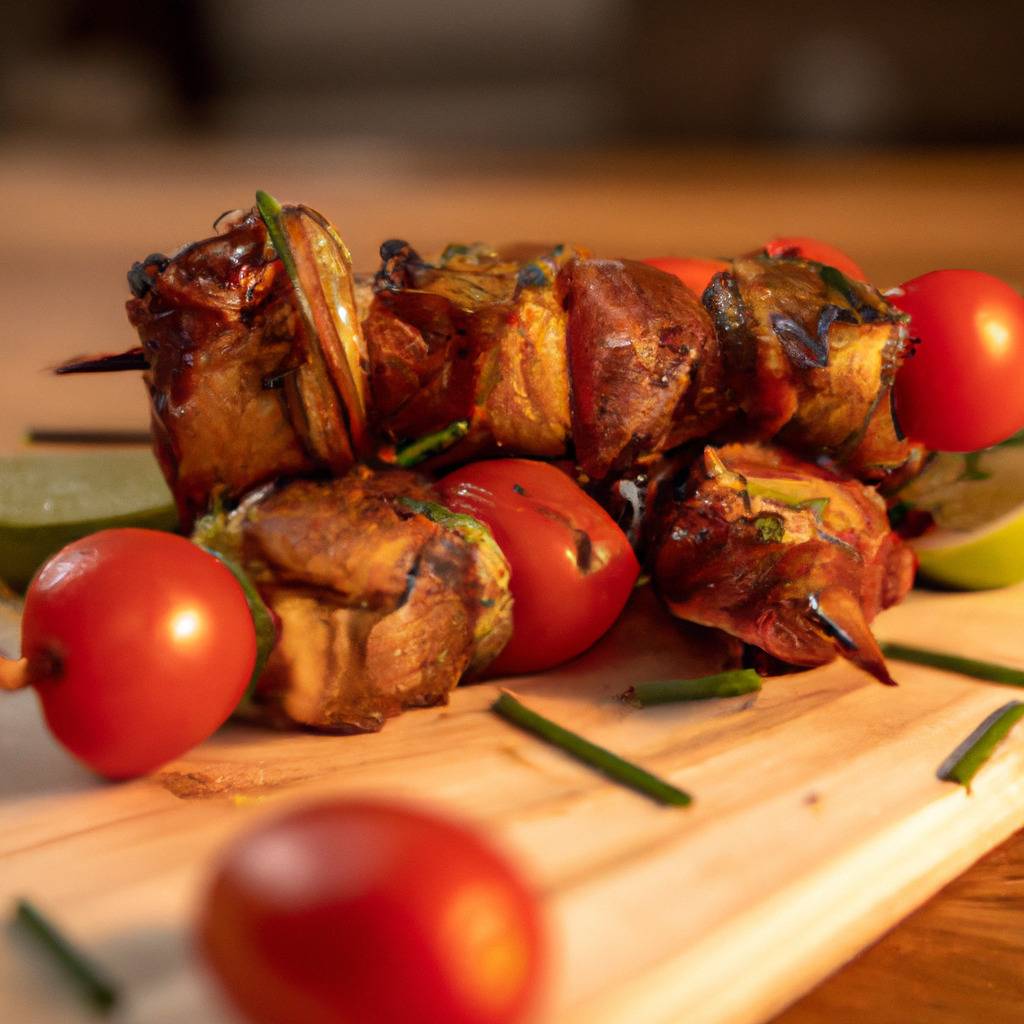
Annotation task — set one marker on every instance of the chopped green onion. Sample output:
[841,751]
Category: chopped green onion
[972,468]
[99,992]
[270,211]
[987,670]
[589,753]
[962,765]
[262,620]
[411,453]
[770,529]
[669,691]
[469,528]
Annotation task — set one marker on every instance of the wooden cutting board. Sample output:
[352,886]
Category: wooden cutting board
[818,822]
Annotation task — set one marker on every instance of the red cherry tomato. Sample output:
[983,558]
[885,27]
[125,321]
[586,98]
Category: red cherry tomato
[139,644]
[370,912]
[820,252]
[572,568]
[695,273]
[962,387]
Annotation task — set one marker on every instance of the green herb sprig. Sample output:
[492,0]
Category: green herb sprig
[262,619]
[962,765]
[609,764]
[669,691]
[412,453]
[99,992]
[987,670]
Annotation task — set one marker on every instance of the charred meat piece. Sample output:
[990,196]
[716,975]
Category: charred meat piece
[783,554]
[612,358]
[384,598]
[643,360]
[475,339]
[217,323]
[248,377]
[811,357]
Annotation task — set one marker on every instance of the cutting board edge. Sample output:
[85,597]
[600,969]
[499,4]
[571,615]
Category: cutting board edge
[665,994]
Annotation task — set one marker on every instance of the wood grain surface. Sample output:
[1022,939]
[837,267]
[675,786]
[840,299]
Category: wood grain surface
[818,821]
[122,864]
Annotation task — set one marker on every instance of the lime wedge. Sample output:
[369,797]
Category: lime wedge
[977,501]
[47,501]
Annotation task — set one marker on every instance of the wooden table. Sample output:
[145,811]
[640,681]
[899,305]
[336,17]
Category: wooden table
[75,220]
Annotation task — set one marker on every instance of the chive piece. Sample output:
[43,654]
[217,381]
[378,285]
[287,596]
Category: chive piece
[411,453]
[962,765]
[262,619]
[471,529]
[954,663]
[972,467]
[99,992]
[589,753]
[270,211]
[670,691]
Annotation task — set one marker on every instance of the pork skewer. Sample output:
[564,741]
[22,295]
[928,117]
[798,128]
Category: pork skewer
[260,367]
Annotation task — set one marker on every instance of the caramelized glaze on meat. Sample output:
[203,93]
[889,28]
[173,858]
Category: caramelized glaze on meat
[611,359]
[235,398]
[643,363]
[384,599]
[811,357]
[781,553]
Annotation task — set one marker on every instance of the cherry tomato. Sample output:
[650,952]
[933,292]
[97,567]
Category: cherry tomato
[572,568]
[371,912]
[962,387]
[820,252]
[139,644]
[695,273]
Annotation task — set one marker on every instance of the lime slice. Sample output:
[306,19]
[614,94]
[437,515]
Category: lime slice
[47,501]
[977,501]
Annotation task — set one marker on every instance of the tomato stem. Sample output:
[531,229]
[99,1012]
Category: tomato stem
[13,674]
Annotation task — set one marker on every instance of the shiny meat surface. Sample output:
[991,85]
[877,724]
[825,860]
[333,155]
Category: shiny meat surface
[811,356]
[235,398]
[612,359]
[384,599]
[475,338]
[643,361]
[781,553]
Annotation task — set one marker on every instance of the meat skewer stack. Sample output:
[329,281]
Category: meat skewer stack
[740,438]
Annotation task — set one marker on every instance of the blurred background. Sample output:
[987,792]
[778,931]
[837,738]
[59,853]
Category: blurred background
[533,72]
[634,127]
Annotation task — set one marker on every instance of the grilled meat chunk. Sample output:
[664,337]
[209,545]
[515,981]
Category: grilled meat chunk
[240,392]
[781,553]
[476,339]
[613,358]
[384,599]
[811,356]
[643,361]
